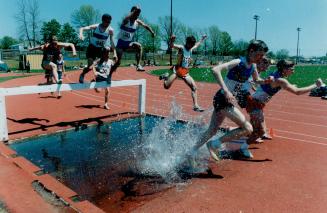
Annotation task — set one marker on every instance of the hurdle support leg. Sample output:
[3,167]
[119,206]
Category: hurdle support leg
[3,119]
[142,95]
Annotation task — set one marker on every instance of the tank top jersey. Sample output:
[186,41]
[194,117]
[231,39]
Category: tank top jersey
[60,65]
[237,77]
[127,31]
[99,38]
[186,58]
[265,92]
[103,68]
[51,53]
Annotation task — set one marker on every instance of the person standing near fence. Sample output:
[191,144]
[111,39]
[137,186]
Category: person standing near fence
[102,35]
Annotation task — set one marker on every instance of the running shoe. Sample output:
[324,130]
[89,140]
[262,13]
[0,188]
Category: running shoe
[106,106]
[198,109]
[140,68]
[245,152]
[266,136]
[164,77]
[213,147]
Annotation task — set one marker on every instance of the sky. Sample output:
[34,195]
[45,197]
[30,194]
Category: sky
[277,25]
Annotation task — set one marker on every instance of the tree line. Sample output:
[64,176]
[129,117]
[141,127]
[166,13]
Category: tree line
[219,43]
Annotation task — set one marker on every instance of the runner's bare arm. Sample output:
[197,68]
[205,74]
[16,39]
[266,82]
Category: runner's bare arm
[81,30]
[197,44]
[294,89]
[37,48]
[258,80]
[112,44]
[72,46]
[217,73]
[147,27]
[175,46]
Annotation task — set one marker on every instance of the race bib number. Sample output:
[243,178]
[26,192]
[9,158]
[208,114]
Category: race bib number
[100,43]
[126,35]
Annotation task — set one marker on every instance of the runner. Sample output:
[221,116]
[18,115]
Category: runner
[258,100]
[101,33]
[233,90]
[181,70]
[126,35]
[101,69]
[51,52]
[61,70]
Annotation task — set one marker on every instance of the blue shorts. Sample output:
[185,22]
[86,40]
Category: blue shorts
[121,44]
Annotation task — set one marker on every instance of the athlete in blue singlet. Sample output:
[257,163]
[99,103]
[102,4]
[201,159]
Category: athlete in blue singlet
[257,101]
[126,36]
[234,89]
[102,38]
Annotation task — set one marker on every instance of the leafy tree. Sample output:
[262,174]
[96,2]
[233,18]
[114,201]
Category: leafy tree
[7,41]
[51,28]
[34,12]
[164,24]
[68,34]
[240,47]
[214,37]
[225,45]
[282,54]
[271,55]
[84,16]
[145,38]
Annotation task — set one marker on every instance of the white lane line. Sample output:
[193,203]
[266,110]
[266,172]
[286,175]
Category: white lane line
[305,141]
[297,122]
[296,133]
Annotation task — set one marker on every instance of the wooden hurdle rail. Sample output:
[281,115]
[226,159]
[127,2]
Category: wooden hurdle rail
[25,90]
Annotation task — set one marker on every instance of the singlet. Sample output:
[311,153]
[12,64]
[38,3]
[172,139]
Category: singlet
[127,31]
[103,68]
[60,65]
[237,77]
[265,92]
[99,38]
[186,58]
[51,53]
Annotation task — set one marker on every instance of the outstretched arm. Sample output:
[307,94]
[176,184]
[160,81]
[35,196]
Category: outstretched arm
[258,80]
[175,46]
[294,89]
[41,47]
[197,44]
[147,27]
[82,29]
[72,46]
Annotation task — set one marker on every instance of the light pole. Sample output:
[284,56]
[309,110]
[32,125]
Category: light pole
[297,46]
[171,33]
[256,18]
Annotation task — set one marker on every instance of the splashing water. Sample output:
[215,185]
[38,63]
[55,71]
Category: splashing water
[166,147]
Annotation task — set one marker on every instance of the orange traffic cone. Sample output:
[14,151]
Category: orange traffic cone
[271,132]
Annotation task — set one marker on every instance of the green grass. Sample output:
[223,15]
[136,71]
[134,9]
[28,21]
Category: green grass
[3,79]
[303,75]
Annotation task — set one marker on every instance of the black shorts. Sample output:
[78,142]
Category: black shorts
[94,52]
[100,78]
[220,102]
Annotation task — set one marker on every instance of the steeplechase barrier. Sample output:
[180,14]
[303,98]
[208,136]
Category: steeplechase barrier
[26,90]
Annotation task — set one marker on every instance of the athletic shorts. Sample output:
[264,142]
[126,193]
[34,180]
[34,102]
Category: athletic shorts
[181,72]
[253,105]
[121,44]
[220,102]
[94,52]
[100,78]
